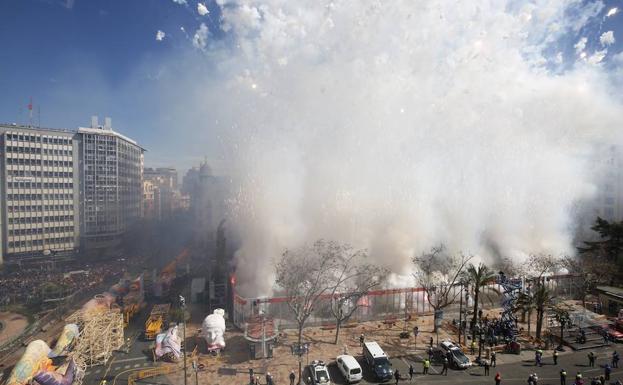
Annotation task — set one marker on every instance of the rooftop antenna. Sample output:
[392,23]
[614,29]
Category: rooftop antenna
[39,115]
[30,113]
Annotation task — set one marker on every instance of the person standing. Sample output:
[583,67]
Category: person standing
[269,379]
[591,359]
[487,367]
[493,359]
[555,356]
[444,370]
[430,342]
[411,371]
[292,377]
[563,377]
[426,365]
[472,347]
[498,378]
[362,339]
[578,378]
[397,376]
[607,371]
[615,359]
[251,376]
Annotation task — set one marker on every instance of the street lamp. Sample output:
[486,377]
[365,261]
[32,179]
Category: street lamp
[183,307]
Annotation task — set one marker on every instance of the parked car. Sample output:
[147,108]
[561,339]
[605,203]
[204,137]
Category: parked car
[349,367]
[454,354]
[378,361]
[319,373]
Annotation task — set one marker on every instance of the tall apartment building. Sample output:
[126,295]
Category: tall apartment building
[111,187]
[160,193]
[39,191]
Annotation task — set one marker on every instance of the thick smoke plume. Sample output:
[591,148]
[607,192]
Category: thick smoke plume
[399,125]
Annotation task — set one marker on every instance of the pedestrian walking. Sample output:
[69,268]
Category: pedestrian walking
[563,377]
[411,371]
[292,377]
[615,359]
[397,376]
[591,359]
[251,376]
[472,347]
[487,367]
[269,379]
[362,339]
[607,371]
[257,380]
[426,365]
[444,370]
[430,342]
[555,356]
[498,378]
[493,359]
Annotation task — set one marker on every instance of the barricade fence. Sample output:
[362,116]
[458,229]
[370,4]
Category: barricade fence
[389,304]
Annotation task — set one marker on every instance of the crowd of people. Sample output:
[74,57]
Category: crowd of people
[32,285]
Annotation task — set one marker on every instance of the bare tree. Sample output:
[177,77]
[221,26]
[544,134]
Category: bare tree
[541,264]
[305,276]
[437,273]
[592,270]
[353,278]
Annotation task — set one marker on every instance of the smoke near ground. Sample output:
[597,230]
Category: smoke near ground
[397,126]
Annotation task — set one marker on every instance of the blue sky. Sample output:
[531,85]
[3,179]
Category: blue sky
[78,58]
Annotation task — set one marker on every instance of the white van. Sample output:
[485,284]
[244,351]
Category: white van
[349,367]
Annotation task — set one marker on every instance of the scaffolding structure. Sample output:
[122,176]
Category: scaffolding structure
[101,333]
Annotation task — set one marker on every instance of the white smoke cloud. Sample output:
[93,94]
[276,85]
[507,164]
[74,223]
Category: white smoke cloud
[607,38]
[202,9]
[612,11]
[400,125]
[580,45]
[160,35]
[200,39]
[180,2]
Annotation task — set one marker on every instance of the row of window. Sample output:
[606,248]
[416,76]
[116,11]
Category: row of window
[38,139]
[38,150]
[39,162]
[51,218]
[40,230]
[24,208]
[32,197]
[68,185]
[39,242]
[46,174]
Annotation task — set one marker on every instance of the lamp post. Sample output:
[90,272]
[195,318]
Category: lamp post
[183,307]
[460,312]
[465,315]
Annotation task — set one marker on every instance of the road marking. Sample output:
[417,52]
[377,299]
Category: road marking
[127,367]
[130,359]
[117,368]
[137,365]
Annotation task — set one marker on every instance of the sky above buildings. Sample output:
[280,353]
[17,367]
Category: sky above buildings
[139,62]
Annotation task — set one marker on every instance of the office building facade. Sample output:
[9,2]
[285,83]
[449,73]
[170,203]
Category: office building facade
[39,192]
[111,187]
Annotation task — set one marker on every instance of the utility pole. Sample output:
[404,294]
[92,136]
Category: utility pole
[460,312]
[183,306]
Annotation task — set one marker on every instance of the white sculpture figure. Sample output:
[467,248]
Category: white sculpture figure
[213,330]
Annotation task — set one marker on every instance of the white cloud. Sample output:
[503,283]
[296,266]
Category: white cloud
[180,2]
[606,38]
[200,39]
[559,58]
[160,35]
[202,9]
[69,4]
[597,57]
[580,45]
[612,11]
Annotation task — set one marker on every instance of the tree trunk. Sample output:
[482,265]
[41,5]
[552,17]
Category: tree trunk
[300,356]
[529,321]
[539,323]
[338,324]
[474,318]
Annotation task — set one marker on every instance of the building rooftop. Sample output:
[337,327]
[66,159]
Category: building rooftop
[614,291]
[16,126]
